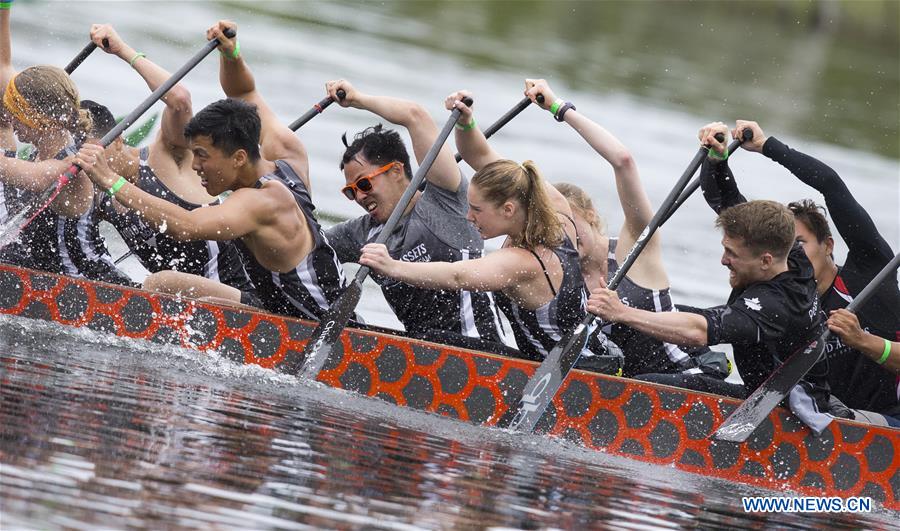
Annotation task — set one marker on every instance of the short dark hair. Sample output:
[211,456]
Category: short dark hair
[231,124]
[812,216]
[102,118]
[379,146]
[763,226]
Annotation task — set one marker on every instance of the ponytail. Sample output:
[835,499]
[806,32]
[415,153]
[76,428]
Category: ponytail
[505,180]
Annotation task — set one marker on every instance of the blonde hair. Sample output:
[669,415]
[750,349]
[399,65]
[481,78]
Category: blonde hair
[505,180]
[582,205]
[46,96]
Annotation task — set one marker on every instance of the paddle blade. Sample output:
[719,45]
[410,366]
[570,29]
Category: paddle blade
[546,381]
[328,333]
[741,424]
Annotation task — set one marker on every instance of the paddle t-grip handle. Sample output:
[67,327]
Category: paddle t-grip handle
[341,94]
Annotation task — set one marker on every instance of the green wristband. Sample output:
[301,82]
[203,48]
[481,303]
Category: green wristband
[237,49]
[135,58]
[467,127]
[886,354]
[556,105]
[6,5]
[713,154]
[116,186]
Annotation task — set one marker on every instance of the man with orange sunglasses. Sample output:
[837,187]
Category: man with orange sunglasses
[434,228]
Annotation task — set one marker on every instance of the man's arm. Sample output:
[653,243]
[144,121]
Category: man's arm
[276,139]
[229,220]
[672,327]
[716,180]
[418,123]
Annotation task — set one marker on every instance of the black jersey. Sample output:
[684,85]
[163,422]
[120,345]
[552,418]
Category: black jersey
[768,321]
[435,230]
[157,251]
[855,379]
[308,290]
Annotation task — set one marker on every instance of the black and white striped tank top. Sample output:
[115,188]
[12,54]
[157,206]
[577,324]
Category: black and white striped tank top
[644,354]
[538,331]
[54,243]
[157,251]
[309,289]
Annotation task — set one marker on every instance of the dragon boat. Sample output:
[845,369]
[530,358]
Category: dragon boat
[638,420]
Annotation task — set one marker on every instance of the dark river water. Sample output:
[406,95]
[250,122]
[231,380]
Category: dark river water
[97,432]
[105,433]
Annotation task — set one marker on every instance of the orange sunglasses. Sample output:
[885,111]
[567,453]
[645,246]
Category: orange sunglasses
[364,183]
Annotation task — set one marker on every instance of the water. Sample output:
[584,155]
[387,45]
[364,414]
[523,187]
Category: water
[105,433]
[99,432]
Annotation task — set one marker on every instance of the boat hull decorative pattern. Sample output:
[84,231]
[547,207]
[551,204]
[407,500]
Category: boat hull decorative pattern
[643,421]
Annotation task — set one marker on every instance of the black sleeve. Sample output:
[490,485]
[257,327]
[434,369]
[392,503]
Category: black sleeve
[719,186]
[724,324]
[851,220]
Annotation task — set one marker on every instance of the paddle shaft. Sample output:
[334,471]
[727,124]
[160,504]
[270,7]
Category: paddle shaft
[754,410]
[295,125]
[315,111]
[82,55]
[550,375]
[506,118]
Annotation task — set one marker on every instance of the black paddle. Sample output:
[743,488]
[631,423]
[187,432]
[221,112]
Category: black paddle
[295,125]
[754,410]
[496,126]
[550,375]
[328,332]
[315,111]
[82,55]
[26,215]
[506,118]
[747,134]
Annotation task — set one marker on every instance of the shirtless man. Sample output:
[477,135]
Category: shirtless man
[294,270]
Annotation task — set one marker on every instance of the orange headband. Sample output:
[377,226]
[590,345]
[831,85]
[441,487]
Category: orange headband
[19,107]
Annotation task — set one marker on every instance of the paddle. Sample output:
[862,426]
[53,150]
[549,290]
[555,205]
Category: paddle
[315,111]
[550,375]
[506,118]
[328,332]
[691,188]
[82,55]
[26,215]
[754,410]
[496,126]
[295,125]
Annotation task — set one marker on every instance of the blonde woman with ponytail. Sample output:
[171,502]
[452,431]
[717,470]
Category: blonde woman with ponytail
[535,276]
[41,107]
[646,285]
